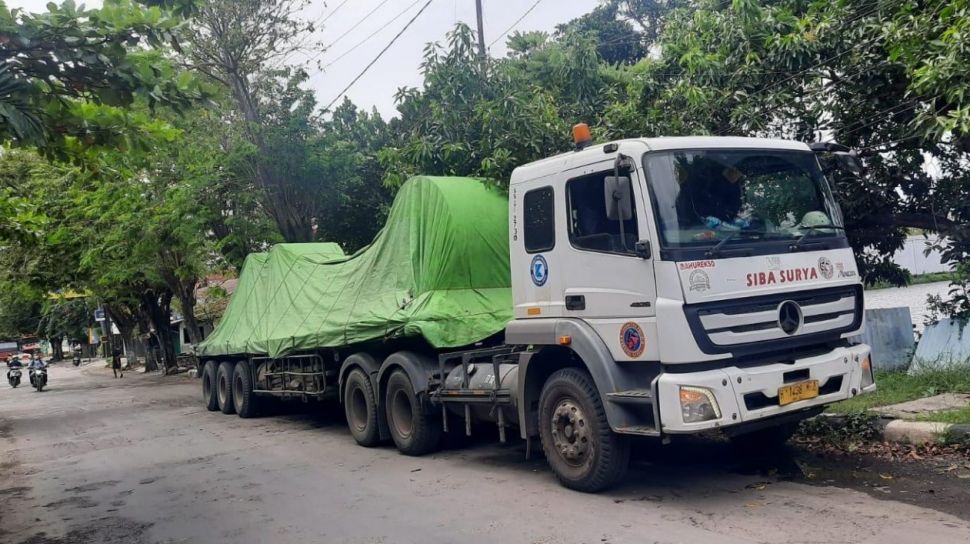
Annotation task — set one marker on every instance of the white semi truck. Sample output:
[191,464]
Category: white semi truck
[659,286]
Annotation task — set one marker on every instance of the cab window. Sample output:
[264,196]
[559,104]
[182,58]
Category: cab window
[539,221]
[590,228]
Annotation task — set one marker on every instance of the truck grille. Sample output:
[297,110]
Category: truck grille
[743,324]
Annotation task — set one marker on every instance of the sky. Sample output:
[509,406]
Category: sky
[399,66]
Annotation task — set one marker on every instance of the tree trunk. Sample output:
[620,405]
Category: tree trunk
[186,296]
[126,326]
[159,310]
[145,326]
[57,351]
[293,225]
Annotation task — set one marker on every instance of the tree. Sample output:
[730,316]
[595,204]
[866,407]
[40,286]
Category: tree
[20,311]
[63,318]
[482,119]
[241,45]
[343,161]
[67,75]
[616,39]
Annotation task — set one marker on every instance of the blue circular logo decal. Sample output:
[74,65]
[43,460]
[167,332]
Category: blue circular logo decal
[539,270]
[631,340]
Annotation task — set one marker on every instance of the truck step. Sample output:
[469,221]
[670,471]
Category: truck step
[641,430]
[633,396]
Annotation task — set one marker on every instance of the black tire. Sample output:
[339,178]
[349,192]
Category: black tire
[209,397]
[360,407]
[246,403]
[414,432]
[584,453]
[224,387]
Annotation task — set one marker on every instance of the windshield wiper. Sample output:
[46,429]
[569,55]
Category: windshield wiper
[716,250]
[797,244]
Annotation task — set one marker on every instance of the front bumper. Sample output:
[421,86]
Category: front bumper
[751,394]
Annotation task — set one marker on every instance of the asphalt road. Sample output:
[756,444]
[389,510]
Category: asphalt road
[138,460]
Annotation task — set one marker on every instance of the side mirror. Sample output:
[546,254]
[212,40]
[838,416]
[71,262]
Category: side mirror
[619,198]
[845,157]
[849,161]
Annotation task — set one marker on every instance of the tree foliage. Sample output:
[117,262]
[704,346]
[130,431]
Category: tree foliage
[69,75]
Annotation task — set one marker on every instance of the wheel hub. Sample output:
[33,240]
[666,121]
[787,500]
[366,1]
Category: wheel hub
[570,432]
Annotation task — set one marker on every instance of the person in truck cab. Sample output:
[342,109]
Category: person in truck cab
[711,194]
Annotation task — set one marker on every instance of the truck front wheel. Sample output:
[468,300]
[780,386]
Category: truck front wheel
[360,406]
[414,431]
[224,387]
[209,397]
[579,445]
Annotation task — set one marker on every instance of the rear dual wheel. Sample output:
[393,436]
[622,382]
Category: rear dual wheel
[209,397]
[245,402]
[360,407]
[414,430]
[224,387]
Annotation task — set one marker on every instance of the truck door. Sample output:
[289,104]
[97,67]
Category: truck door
[603,278]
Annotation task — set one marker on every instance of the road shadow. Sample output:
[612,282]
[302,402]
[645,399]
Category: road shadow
[699,468]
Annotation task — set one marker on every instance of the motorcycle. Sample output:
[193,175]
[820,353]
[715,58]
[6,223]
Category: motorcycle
[13,377]
[38,377]
[77,359]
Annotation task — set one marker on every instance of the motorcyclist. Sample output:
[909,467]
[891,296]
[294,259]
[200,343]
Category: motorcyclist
[12,363]
[36,363]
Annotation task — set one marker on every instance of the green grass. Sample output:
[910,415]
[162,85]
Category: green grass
[932,277]
[894,387]
[960,415]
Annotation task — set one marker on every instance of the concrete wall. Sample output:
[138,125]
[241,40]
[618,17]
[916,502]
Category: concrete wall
[944,345]
[911,257]
[889,332]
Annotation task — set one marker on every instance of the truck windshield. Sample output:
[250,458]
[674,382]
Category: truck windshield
[705,197]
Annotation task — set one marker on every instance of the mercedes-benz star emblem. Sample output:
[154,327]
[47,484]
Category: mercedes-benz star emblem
[789,316]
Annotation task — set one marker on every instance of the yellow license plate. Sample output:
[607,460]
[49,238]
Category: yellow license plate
[797,391]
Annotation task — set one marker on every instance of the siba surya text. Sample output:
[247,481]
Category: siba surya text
[791,275]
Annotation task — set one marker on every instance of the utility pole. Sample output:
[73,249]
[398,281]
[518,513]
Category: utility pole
[481,28]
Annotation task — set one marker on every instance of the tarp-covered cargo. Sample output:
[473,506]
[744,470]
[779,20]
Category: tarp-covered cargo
[439,269]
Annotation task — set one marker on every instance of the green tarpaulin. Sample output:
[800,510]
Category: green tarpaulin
[439,269]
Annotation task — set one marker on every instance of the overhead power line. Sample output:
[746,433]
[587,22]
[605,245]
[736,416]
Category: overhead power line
[379,55]
[517,21]
[365,40]
[355,25]
[324,17]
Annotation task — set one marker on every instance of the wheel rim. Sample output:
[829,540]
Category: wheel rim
[571,433]
[358,408]
[402,417]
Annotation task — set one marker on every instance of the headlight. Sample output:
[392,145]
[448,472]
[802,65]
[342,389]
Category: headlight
[698,404]
[867,378]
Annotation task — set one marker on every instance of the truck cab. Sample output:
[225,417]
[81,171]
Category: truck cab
[703,282]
